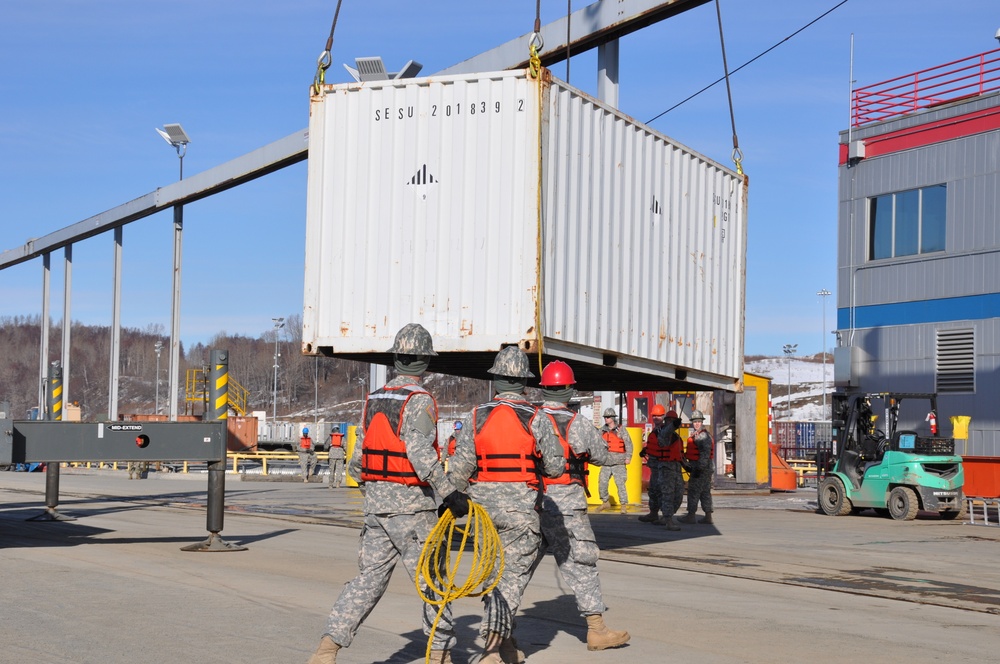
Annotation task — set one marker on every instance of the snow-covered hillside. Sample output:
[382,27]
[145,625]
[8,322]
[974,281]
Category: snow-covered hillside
[805,376]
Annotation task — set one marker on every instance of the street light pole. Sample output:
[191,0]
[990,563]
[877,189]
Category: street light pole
[278,324]
[823,295]
[789,352]
[175,135]
[158,346]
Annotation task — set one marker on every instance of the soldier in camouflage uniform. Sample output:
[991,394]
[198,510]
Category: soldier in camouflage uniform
[396,461]
[566,530]
[307,454]
[698,456]
[652,453]
[671,466]
[619,445]
[507,488]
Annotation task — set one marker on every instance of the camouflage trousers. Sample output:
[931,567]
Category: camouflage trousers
[620,474]
[336,472]
[520,538]
[568,536]
[672,483]
[700,490]
[385,540]
[307,463]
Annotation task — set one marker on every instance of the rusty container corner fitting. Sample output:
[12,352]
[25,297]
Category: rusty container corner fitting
[423,206]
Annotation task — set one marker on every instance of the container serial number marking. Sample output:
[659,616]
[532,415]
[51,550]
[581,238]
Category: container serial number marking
[457,109]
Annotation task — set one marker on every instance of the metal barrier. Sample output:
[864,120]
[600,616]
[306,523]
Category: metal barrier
[971,503]
[265,456]
[967,77]
[804,469]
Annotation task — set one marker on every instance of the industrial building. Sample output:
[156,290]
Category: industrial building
[918,263]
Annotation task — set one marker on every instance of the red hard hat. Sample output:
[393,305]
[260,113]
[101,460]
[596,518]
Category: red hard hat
[557,373]
[658,409]
[671,414]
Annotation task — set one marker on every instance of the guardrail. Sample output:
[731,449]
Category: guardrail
[264,457]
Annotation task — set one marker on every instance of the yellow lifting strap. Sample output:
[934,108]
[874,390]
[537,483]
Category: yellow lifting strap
[437,567]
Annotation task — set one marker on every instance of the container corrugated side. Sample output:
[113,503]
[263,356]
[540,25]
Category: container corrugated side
[418,201]
[645,243]
[422,206]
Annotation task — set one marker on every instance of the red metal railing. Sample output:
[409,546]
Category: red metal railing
[968,77]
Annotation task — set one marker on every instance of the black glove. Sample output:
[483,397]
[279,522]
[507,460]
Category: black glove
[457,502]
[643,453]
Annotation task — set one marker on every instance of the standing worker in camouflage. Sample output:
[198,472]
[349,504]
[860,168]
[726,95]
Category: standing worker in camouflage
[620,446]
[498,455]
[671,467]
[653,453]
[566,530]
[337,457]
[307,455]
[698,454]
[396,461]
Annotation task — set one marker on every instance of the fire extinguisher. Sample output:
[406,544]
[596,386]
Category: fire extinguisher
[932,418]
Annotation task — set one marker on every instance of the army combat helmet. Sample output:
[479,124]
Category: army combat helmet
[511,363]
[413,339]
[611,412]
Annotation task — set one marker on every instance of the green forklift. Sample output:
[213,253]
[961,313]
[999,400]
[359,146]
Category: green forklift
[896,472]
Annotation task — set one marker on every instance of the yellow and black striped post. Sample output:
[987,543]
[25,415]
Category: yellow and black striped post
[54,404]
[218,411]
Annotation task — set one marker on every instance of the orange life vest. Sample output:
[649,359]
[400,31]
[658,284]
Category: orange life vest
[505,448]
[691,452]
[383,452]
[576,470]
[305,443]
[336,439]
[653,447]
[615,444]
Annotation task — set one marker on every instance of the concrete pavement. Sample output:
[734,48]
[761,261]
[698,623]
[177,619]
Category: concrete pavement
[771,581]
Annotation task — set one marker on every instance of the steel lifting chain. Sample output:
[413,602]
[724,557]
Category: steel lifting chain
[325,58]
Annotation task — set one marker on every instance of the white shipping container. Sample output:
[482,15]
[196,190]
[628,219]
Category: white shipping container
[495,209]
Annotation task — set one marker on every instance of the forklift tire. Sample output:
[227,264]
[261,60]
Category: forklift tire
[903,503]
[832,497]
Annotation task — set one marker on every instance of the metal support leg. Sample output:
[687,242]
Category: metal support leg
[215,508]
[52,496]
[218,400]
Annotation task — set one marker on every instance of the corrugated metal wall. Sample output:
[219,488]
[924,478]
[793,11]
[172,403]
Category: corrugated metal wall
[902,357]
[423,206]
[642,247]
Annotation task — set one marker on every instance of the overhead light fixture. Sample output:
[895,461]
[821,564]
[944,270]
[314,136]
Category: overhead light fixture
[174,134]
[373,69]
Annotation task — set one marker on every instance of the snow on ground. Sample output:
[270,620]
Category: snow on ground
[804,379]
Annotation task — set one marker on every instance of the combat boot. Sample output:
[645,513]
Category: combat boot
[326,653]
[659,522]
[648,518]
[624,509]
[688,518]
[599,637]
[509,652]
[672,524]
[707,519]
[441,657]
[606,505]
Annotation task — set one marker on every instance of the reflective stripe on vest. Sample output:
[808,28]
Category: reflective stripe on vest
[383,452]
[505,448]
[576,470]
[615,444]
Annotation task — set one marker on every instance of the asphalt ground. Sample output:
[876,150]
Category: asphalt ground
[771,581]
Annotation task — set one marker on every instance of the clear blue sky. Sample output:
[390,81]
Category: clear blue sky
[83,84]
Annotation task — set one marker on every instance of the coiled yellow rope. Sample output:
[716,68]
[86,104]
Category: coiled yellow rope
[437,567]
